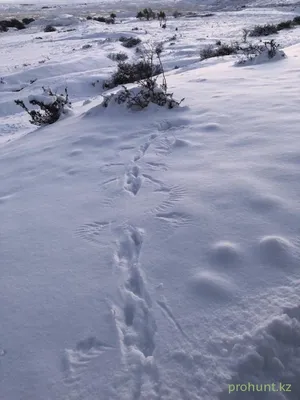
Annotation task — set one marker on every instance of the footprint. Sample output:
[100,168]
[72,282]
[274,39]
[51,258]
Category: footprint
[133,180]
[174,124]
[129,247]
[134,319]
[142,150]
[136,313]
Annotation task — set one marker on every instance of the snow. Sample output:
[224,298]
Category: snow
[42,98]
[154,254]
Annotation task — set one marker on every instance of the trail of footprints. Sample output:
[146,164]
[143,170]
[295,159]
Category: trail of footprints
[133,313]
[134,317]
[134,320]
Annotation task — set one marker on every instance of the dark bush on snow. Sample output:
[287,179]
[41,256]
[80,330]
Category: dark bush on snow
[52,106]
[99,19]
[226,50]
[49,28]
[118,56]
[129,42]
[263,30]
[109,20]
[139,98]
[12,23]
[285,25]
[27,21]
[148,91]
[147,14]
[207,15]
[89,17]
[130,73]
[3,26]
[296,20]
[207,52]
[220,50]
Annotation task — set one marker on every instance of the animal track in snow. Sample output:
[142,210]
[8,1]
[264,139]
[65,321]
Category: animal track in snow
[92,231]
[133,315]
[156,165]
[133,180]
[157,182]
[164,145]
[176,123]
[76,360]
[175,194]
[129,247]
[142,150]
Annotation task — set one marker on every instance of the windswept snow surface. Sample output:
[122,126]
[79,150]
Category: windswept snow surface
[155,254]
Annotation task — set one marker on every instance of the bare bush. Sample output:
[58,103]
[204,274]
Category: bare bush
[52,106]
[11,23]
[285,25]
[129,42]
[220,50]
[27,21]
[296,20]
[263,30]
[49,28]
[118,56]
[250,52]
[133,72]
[148,91]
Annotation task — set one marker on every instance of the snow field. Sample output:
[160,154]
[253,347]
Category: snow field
[155,254]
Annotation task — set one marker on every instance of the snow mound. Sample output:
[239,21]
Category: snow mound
[225,253]
[277,251]
[212,284]
[262,58]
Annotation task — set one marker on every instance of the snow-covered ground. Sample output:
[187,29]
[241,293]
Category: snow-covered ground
[155,254]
